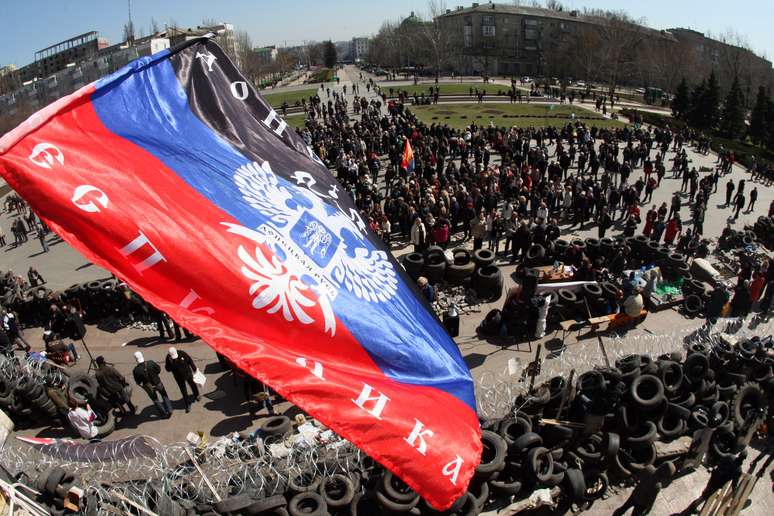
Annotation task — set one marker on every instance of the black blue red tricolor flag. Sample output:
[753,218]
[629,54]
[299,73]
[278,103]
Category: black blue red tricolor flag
[175,175]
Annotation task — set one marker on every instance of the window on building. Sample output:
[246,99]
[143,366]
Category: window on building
[530,34]
[488,43]
[467,38]
[530,23]
[468,20]
[487,20]
[488,31]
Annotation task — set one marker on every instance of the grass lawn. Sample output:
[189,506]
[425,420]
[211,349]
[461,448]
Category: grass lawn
[447,89]
[521,115]
[291,97]
[324,75]
[296,121]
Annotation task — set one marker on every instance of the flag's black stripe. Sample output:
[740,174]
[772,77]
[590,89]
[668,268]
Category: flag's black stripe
[240,122]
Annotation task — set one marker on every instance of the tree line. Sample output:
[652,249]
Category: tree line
[703,107]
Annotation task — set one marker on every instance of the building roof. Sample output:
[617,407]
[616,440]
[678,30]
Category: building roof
[518,9]
[540,12]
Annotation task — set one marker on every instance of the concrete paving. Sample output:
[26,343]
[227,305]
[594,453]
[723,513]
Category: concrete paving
[222,409]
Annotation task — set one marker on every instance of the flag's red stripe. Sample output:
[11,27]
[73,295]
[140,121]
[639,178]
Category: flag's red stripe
[200,255]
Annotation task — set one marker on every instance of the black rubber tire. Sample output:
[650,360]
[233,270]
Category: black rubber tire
[590,449]
[560,247]
[507,483]
[535,255]
[719,414]
[307,504]
[699,418]
[461,256]
[524,443]
[483,257]
[574,485]
[512,428]
[671,374]
[488,282]
[645,434]
[611,443]
[748,347]
[493,456]
[748,397]
[434,250]
[303,483]
[457,273]
[276,425]
[591,382]
[107,425]
[413,263]
[693,305]
[670,426]
[396,489]
[337,490]
[480,493]
[540,463]
[567,297]
[696,366]
[435,268]
[647,391]
[55,477]
[592,291]
[724,443]
[641,457]
[610,291]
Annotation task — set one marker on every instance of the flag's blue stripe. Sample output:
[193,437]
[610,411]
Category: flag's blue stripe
[150,108]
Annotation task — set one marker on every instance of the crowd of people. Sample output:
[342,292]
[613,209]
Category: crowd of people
[504,188]
[27,223]
[548,181]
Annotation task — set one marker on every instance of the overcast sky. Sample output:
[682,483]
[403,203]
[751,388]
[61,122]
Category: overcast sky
[30,25]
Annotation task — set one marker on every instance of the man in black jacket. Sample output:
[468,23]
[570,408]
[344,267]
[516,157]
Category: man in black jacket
[146,375]
[182,367]
[114,386]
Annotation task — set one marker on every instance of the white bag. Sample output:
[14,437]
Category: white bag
[199,378]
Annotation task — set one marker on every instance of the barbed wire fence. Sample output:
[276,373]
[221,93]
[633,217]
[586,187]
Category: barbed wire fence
[142,472]
[496,392]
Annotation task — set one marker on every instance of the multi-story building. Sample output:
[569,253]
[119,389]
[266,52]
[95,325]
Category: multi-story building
[359,49]
[515,40]
[266,55]
[509,39]
[56,57]
[65,67]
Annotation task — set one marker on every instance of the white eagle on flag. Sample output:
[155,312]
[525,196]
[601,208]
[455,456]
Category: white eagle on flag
[317,249]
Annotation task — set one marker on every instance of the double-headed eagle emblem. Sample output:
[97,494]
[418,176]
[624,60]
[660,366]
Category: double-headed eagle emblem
[309,249]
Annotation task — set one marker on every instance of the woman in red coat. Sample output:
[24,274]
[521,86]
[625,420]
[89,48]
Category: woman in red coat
[757,283]
[674,226]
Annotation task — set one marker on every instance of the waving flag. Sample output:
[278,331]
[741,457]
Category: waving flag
[174,174]
[408,158]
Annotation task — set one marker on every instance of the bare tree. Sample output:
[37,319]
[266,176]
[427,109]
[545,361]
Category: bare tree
[245,55]
[438,39]
[621,38]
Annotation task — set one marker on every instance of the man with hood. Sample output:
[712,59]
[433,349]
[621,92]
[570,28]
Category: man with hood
[146,375]
[182,367]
